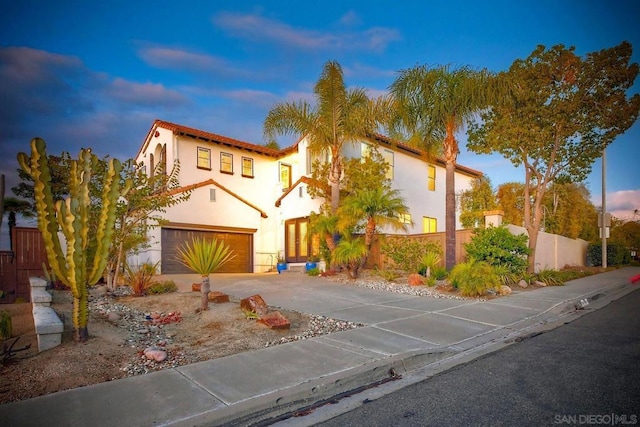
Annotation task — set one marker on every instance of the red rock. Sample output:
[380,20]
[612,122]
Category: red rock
[218,297]
[254,304]
[415,280]
[195,287]
[275,320]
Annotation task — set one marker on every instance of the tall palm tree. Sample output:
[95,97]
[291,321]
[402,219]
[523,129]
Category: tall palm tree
[432,105]
[339,116]
[376,207]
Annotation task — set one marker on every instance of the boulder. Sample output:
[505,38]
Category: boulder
[254,304]
[539,283]
[275,320]
[195,287]
[415,280]
[505,290]
[218,297]
[113,317]
[523,283]
[155,353]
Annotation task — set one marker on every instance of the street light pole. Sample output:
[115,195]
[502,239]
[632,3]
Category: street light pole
[604,209]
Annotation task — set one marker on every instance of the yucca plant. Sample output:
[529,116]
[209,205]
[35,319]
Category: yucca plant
[430,260]
[204,257]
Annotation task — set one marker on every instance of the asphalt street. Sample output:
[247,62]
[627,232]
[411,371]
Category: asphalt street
[586,372]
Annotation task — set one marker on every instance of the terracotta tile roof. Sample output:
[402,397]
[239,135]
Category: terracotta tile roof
[303,179]
[224,140]
[416,152]
[191,187]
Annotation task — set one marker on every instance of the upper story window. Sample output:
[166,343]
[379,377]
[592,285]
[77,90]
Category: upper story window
[204,158]
[247,167]
[285,175]
[431,178]
[226,163]
[388,157]
[429,225]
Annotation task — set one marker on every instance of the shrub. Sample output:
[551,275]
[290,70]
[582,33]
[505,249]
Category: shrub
[140,278]
[313,271]
[5,325]
[507,277]
[550,277]
[162,287]
[616,254]
[439,273]
[406,253]
[498,247]
[388,275]
[474,278]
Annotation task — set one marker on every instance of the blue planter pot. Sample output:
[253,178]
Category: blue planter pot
[309,265]
[281,266]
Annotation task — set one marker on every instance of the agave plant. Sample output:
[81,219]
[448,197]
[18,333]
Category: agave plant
[204,257]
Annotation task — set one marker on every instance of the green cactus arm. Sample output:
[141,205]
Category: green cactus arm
[38,167]
[104,233]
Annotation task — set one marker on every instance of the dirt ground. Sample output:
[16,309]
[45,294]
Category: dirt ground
[117,341]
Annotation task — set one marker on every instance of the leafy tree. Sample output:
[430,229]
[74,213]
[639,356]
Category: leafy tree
[140,210]
[339,116]
[14,206]
[561,112]
[626,233]
[499,248]
[370,209]
[475,201]
[431,105]
[204,257]
[59,168]
[568,211]
[510,197]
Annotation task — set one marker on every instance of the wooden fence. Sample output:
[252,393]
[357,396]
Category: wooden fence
[378,259]
[24,261]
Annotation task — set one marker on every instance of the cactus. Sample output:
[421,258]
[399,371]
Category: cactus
[71,216]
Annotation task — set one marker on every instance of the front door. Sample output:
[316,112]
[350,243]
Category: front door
[296,235]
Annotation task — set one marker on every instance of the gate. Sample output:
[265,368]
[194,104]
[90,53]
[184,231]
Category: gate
[23,261]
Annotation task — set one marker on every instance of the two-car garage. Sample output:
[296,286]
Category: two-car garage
[240,240]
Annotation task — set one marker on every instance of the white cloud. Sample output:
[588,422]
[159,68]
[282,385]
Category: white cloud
[622,204]
[260,28]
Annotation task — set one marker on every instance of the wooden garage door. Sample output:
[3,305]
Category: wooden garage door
[241,243]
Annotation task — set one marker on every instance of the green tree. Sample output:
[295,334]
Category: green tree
[561,112]
[568,211]
[371,209]
[13,207]
[339,116]
[204,257]
[626,233]
[475,201]
[499,248]
[510,197]
[431,105]
[140,210]
[349,252]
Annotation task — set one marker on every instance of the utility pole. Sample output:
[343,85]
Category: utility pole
[604,209]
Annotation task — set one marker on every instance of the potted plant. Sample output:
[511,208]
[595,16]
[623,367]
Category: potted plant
[282,264]
[312,262]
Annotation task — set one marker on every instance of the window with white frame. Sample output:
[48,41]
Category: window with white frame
[226,163]
[204,158]
[247,167]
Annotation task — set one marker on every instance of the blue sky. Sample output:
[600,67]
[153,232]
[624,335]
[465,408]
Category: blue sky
[96,74]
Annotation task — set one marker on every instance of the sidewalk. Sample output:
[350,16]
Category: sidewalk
[403,333]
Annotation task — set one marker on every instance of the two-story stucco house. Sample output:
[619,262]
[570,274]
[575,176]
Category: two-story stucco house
[255,198]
